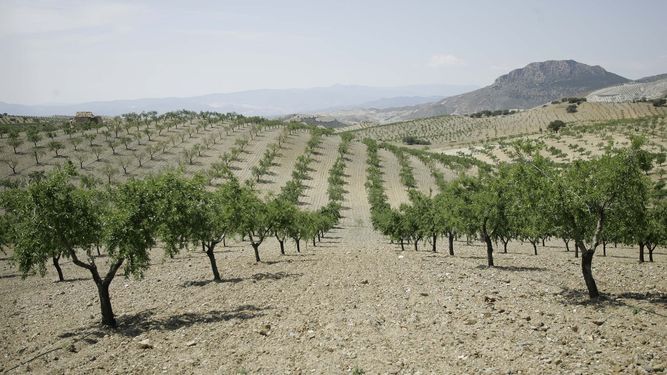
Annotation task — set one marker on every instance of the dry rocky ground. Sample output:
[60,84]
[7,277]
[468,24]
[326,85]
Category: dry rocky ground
[340,308]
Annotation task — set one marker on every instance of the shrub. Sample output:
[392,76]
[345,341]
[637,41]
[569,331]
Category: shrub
[412,140]
[659,102]
[572,108]
[556,125]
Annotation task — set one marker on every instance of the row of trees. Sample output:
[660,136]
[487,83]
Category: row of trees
[53,217]
[590,203]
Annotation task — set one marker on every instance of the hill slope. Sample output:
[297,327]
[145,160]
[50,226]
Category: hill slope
[535,84]
[630,91]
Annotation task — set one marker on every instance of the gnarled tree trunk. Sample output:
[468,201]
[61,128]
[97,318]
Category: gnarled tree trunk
[214,266]
[586,264]
[56,264]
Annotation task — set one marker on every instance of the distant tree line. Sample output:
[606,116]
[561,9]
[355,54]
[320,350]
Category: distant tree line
[499,112]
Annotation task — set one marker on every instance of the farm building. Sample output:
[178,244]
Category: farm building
[83,117]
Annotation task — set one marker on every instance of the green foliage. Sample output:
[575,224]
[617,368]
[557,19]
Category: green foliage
[131,224]
[499,112]
[52,217]
[412,140]
[556,125]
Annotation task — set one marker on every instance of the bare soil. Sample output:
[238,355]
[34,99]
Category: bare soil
[337,308]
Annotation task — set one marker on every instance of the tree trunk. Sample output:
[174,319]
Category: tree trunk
[542,244]
[534,243]
[586,260]
[451,243]
[650,252]
[435,238]
[56,264]
[576,250]
[505,242]
[641,252]
[416,247]
[402,245]
[105,305]
[214,266]
[604,248]
[489,244]
[298,245]
[255,247]
[314,245]
[567,244]
[282,247]
[489,250]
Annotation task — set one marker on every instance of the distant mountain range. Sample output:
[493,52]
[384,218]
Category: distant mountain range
[269,102]
[533,85]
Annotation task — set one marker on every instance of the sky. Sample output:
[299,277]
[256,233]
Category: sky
[69,51]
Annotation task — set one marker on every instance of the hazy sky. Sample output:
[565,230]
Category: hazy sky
[72,51]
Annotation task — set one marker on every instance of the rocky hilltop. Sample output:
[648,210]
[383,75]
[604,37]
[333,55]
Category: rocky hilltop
[535,84]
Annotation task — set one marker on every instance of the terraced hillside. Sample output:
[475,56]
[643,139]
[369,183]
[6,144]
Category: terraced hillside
[630,91]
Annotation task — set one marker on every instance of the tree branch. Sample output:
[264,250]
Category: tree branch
[112,272]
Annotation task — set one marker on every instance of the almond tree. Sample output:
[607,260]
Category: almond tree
[90,138]
[113,144]
[53,218]
[14,141]
[81,157]
[109,170]
[12,163]
[124,163]
[76,141]
[55,146]
[255,219]
[59,219]
[486,202]
[36,153]
[531,200]
[140,156]
[612,186]
[449,207]
[282,217]
[299,228]
[188,213]
[33,136]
